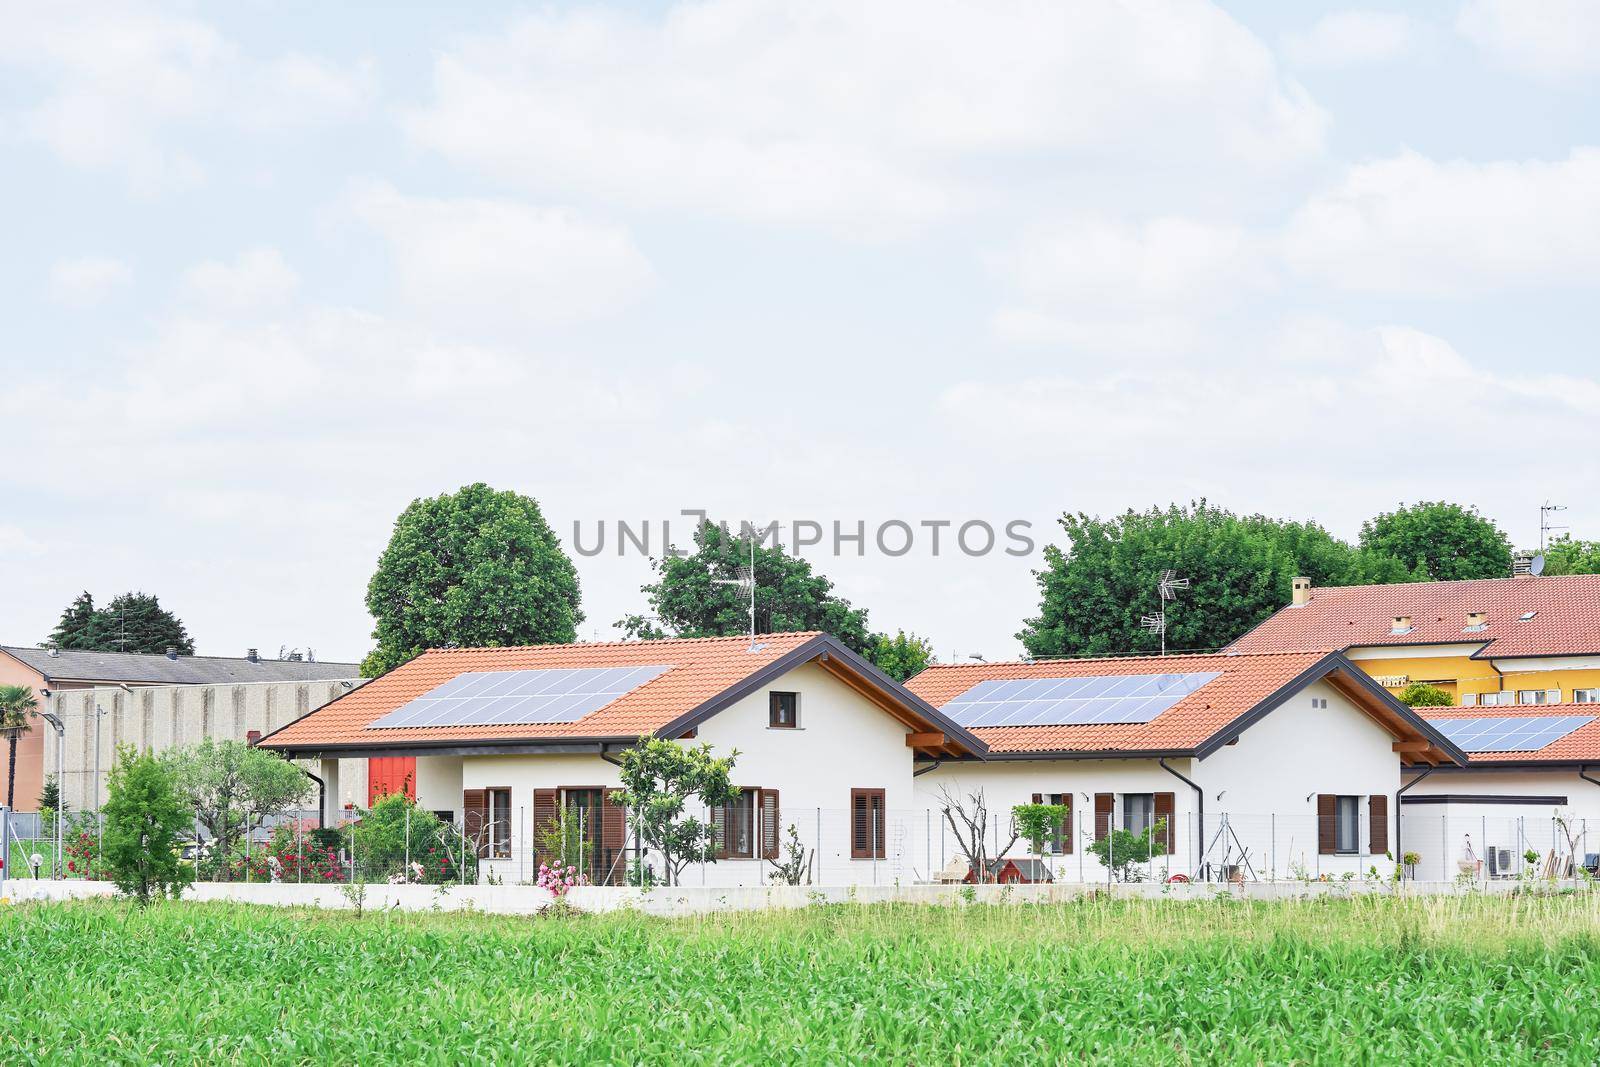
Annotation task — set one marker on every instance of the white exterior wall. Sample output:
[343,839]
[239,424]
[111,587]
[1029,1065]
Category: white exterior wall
[843,742]
[1451,837]
[1265,785]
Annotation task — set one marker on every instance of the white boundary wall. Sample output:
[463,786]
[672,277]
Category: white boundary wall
[528,900]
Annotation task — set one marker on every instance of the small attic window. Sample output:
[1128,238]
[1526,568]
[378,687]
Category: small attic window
[1477,621]
[1400,624]
[1526,615]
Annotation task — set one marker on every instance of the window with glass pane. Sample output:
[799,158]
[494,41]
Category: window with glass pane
[1138,811]
[1347,825]
[741,825]
[1053,842]
[1586,696]
[784,711]
[499,801]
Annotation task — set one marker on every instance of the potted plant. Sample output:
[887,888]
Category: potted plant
[1409,861]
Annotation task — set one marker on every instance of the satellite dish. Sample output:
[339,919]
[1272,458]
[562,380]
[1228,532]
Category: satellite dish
[1536,565]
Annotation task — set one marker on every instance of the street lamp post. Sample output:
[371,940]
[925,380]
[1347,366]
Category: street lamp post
[61,744]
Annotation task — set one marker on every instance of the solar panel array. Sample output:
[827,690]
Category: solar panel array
[1119,698]
[521,698]
[1510,733]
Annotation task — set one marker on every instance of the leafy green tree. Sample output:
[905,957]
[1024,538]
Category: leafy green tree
[132,622]
[1566,556]
[476,567]
[16,702]
[1095,590]
[685,600]
[659,778]
[50,798]
[1444,542]
[902,656]
[1121,851]
[1039,823]
[231,788]
[396,830]
[1423,695]
[144,818]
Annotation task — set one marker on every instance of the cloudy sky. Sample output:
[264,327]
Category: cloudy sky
[270,271]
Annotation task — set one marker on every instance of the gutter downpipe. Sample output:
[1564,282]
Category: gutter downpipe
[1583,772]
[322,797]
[1200,812]
[936,764]
[1399,822]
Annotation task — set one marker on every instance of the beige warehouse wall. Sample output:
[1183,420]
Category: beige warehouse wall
[158,718]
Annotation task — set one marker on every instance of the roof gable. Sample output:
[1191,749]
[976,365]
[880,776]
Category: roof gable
[704,676]
[1246,687]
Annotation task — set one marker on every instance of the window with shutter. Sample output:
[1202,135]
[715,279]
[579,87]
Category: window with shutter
[1060,842]
[1166,816]
[1326,817]
[497,843]
[544,822]
[866,824]
[475,814]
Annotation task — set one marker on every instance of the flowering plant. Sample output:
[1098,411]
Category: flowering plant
[559,879]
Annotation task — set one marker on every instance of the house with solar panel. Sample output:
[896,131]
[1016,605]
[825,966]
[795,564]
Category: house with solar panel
[1243,760]
[498,740]
[1520,658]
[1240,767]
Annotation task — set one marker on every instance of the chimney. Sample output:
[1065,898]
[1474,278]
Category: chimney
[1302,592]
[172,652]
[53,652]
[253,655]
[1400,625]
[252,736]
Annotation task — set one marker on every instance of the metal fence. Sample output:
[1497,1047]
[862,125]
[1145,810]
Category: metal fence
[835,846]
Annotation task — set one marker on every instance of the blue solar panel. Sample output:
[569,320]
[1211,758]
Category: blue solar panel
[502,698]
[1509,733]
[1077,701]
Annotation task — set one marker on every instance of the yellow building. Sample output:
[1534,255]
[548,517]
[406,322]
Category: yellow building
[1499,641]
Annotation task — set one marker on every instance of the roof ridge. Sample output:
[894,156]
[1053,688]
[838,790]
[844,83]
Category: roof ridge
[45,651]
[649,641]
[1330,650]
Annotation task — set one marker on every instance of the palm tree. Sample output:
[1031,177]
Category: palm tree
[16,702]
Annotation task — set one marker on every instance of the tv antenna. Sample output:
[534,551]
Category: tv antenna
[1545,526]
[1167,589]
[745,580]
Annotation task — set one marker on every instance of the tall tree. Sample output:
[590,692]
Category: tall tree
[133,622]
[686,601]
[1566,556]
[1444,541]
[902,656]
[16,701]
[474,567]
[143,818]
[1095,591]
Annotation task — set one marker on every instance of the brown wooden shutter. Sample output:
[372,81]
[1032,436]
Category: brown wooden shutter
[1105,804]
[475,816]
[544,815]
[768,818]
[1327,816]
[866,824]
[1066,826]
[613,840]
[1378,814]
[1166,808]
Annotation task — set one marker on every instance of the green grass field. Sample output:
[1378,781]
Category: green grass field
[1368,980]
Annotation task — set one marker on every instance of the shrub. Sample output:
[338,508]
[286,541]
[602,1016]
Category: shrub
[1121,851]
[143,821]
[381,843]
[1423,695]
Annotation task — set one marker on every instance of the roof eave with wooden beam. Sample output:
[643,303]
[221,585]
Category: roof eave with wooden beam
[1412,746]
[922,738]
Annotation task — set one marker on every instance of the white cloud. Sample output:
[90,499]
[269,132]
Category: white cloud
[15,542]
[868,117]
[1353,37]
[121,85]
[87,280]
[479,262]
[1412,225]
[1549,40]
[256,278]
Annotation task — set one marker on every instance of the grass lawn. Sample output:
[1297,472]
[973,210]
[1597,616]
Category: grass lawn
[1376,980]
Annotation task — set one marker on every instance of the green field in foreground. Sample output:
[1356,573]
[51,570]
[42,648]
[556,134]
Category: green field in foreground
[1381,980]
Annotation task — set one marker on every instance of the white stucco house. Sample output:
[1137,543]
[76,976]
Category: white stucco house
[1256,766]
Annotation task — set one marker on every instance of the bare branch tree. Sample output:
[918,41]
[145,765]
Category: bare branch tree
[969,819]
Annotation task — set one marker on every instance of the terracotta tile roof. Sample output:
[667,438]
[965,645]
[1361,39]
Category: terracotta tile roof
[1580,746]
[1244,683]
[1566,618]
[702,668]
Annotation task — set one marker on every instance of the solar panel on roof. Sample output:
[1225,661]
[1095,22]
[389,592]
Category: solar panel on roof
[1509,733]
[1076,701]
[520,698]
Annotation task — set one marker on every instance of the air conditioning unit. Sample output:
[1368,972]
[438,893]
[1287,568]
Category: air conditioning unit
[1501,863]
